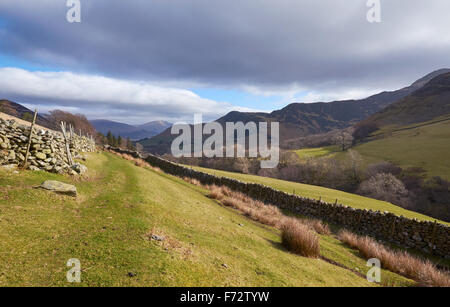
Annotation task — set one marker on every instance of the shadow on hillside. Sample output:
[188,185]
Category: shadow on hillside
[277,245]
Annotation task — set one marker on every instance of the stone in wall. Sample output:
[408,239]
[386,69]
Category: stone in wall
[47,150]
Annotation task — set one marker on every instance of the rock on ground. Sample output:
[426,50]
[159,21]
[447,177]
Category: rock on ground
[59,187]
[79,168]
[9,167]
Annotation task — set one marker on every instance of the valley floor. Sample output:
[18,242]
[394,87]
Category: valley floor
[108,228]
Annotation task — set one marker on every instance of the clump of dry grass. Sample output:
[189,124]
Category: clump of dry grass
[215,192]
[296,234]
[259,211]
[192,181]
[400,262]
[319,226]
[137,161]
[299,239]
[256,210]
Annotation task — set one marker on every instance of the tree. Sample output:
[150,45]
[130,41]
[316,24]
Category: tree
[27,117]
[109,138]
[101,139]
[363,130]
[344,139]
[114,141]
[139,147]
[437,190]
[119,141]
[385,187]
[382,167]
[130,145]
[78,121]
[355,161]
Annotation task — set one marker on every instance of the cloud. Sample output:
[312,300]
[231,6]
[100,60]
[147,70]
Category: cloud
[324,48]
[98,96]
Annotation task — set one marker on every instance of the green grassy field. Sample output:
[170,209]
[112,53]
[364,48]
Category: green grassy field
[325,194]
[423,145]
[107,229]
[426,146]
[307,153]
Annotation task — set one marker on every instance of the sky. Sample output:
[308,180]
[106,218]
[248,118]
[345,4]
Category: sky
[140,60]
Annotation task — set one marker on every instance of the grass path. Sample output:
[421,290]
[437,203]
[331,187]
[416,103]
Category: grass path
[107,228]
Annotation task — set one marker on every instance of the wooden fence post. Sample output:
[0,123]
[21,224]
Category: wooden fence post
[433,237]
[69,155]
[29,139]
[393,227]
[72,137]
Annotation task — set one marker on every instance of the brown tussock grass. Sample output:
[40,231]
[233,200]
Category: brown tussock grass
[424,272]
[259,211]
[137,161]
[192,181]
[319,226]
[256,210]
[215,192]
[297,235]
[299,239]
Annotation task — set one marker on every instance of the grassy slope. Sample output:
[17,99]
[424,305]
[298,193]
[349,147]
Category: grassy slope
[307,153]
[106,229]
[426,146]
[317,192]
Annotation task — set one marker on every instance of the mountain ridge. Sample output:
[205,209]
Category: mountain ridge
[427,103]
[17,110]
[134,132]
[301,119]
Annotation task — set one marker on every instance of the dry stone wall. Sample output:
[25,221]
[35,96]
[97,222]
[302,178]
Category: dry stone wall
[429,237]
[47,151]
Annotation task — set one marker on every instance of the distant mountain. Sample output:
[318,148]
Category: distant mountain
[302,119]
[19,111]
[430,101]
[133,132]
[155,127]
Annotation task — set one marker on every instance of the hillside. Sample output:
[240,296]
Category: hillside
[429,102]
[423,145]
[414,131]
[134,132]
[302,119]
[19,111]
[108,227]
[316,192]
[5,116]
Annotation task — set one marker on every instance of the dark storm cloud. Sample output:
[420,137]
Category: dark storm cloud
[251,42]
[258,45]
